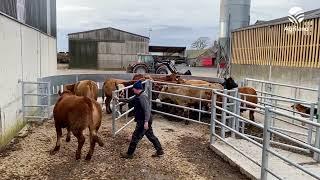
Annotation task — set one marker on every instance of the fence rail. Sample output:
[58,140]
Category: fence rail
[268,129]
[230,119]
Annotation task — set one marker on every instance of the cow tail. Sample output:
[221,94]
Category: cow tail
[88,101]
[103,92]
[92,128]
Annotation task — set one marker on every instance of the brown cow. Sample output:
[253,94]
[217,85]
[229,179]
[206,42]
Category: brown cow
[86,88]
[174,78]
[195,82]
[111,85]
[229,83]
[76,114]
[252,99]
[141,77]
[303,109]
[191,92]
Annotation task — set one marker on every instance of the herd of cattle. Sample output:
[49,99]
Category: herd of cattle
[77,107]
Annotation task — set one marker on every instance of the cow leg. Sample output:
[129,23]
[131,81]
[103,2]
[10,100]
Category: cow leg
[251,115]
[107,103]
[68,135]
[186,114]
[121,107]
[93,140]
[81,140]
[59,135]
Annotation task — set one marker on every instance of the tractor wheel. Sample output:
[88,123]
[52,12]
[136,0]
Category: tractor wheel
[140,69]
[162,70]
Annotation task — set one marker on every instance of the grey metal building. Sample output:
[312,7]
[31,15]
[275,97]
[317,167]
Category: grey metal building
[106,48]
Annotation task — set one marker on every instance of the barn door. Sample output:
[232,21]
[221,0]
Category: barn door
[35,101]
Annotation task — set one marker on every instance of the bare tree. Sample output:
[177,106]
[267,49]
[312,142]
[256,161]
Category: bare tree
[201,43]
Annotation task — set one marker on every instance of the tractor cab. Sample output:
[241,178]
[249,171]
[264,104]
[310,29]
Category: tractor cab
[147,63]
[148,60]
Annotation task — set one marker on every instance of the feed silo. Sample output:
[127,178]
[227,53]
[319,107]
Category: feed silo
[233,14]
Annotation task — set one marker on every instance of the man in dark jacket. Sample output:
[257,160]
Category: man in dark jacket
[143,119]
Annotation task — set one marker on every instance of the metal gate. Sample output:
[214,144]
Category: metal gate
[35,101]
[117,115]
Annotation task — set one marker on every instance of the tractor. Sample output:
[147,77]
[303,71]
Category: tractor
[150,64]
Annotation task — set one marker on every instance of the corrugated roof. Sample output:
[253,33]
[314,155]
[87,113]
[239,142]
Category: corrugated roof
[169,49]
[307,15]
[192,54]
[107,29]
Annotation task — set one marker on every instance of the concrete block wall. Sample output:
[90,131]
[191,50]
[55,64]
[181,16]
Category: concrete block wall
[306,77]
[26,54]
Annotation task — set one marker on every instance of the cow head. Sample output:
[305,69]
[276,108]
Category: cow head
[163,89]
[122,92]
[69,87]
[66,92]
[229,83]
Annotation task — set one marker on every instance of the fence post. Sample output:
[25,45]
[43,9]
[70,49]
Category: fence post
[317,139]
[235,119]
[77,78]
[213,118]
[245,82]
[223,118]
[295,97]
[266,144]
[23,100]
[114,116]
[200,106]
[238,104]
[150,92]
[262,99]
[242,84]
[309,125]
[127,96]
[49,100]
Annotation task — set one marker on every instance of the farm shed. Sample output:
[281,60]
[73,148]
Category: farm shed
[279,50]
[107,48]
[28,52]
[202,57]
[169,52]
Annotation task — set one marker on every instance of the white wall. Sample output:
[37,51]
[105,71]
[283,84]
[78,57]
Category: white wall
[25,54]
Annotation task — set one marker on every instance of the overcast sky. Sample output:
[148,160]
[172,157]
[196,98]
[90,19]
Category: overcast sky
[173,22]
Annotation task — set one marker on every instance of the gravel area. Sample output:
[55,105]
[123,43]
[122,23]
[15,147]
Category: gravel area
[187,155]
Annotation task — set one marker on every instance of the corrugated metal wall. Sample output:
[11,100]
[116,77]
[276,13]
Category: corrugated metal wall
[83,54]
[280,47]
[115,48]
[35,11]
[9,7]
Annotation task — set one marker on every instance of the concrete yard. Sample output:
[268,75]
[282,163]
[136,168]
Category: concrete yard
[187,155]
[276,165]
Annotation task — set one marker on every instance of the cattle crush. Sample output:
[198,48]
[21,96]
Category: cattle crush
[277,127]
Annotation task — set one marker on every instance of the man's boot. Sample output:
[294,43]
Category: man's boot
[126,156]
[158,153]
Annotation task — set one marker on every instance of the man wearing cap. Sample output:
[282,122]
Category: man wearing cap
[143,119]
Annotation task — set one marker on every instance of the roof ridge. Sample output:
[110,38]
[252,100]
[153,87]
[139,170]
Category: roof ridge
[98,29]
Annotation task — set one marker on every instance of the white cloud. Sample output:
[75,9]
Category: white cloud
[174,22]
[73,8]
